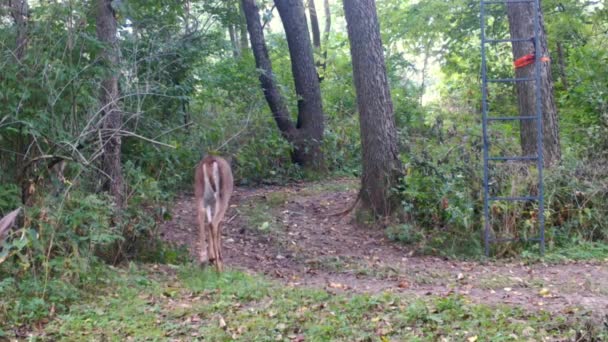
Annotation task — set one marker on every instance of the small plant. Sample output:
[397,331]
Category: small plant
[405,233]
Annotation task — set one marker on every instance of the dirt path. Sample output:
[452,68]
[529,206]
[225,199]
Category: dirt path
[286,233]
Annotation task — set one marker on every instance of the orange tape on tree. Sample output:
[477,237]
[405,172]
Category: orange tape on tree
[527,60]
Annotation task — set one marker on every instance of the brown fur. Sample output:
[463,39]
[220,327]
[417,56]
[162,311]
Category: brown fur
[212,195]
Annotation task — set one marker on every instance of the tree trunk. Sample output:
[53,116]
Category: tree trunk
[381,165]
[325,37]
[19,12]
[243,30]
[314,25]
[112,116]
[521,24]
[321,63]
[310,106]
[561,60]
[306,136]
[234,41]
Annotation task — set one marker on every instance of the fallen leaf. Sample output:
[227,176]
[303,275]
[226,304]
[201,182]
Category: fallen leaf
[472,338]
[528,332]
[544,292]
[222,323]
[403,284]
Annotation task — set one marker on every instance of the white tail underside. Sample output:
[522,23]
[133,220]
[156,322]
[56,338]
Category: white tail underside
[211,197]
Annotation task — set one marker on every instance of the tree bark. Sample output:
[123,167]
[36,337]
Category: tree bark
[321,63]
[310,106]
[20,12]
[243,30]
[381,164]
[326,35]
[306,136]
[521,25]
[314,24]
[112,115]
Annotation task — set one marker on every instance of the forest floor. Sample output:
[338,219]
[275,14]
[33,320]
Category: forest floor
[289,234]
[296,273]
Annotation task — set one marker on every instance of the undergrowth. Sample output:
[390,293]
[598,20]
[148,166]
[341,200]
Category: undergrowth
[184,302]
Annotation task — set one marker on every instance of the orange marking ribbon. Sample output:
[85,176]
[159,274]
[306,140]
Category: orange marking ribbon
[527,60]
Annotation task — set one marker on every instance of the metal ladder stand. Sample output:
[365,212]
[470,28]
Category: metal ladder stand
[486,119]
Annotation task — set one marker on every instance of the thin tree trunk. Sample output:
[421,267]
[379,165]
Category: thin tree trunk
[19,11]
[321,63]
[425,66]
[314,24]
[233,41]
[112,115]
[243,30]
[20,14]
[381,164]
[325,36]
[521,24]
[561,60]
[306,136]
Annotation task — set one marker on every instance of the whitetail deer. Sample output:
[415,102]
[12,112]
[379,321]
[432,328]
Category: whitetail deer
[213,184]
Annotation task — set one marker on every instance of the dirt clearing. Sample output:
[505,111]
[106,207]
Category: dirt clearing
[287,233]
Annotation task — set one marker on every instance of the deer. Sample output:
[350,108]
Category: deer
[213,186]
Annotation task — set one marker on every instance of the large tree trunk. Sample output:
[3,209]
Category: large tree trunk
[521,23]
[112,115]
[381,165]
[306,136]
[310,106]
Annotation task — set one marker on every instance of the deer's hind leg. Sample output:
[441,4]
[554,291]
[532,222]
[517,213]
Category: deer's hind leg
[203,254]
[216,226]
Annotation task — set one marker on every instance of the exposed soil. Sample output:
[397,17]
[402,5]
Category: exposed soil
[300,243]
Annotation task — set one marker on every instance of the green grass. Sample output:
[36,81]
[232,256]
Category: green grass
[160,303]
[575,251]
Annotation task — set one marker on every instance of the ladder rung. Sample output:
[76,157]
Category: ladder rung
[505,2]
[513,239]
[512,158]
[507,40]
[521,198]
[507,118]
[509,80]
